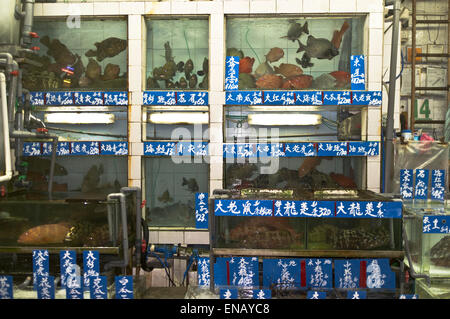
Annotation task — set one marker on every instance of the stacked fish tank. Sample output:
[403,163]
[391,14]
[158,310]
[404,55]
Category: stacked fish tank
[177,61]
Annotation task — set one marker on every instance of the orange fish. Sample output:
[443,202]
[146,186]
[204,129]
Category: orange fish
[342,78]
[274,54]
[298,82]
[343,180]
[308,164]
[269,81]
[288,70]
[246,65]
[44,234]
[337,35]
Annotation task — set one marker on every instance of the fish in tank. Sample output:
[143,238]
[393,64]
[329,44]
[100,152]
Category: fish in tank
[91,56]
[177,53]
[303,53]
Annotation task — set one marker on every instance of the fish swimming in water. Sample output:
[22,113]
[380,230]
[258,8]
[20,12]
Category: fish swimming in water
[188,67]
[108,48]
[337,35]
[191,184]
[246,81]
[288,70]
[93,69]
[193,81]
[302,81]
[274,54]
[296,30]
[235,52]
[168,52]
[165,197]
[343,78]
[111,72]
[45,234]
[343,180]
[324,81]
[205,68]
[180,66]
[319,48]
[269,81]
[308,164]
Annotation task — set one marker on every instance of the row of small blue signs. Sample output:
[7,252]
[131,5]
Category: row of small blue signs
[297,273]
[246,150]
[294,208]
[419,190]
[72,280]
[65,98]
[76,148]
[357,73]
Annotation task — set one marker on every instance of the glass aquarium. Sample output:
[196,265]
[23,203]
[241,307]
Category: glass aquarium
[79,176]
[291,123]
[91,54]
[302,174]
[170,189]
[87,123]
[176,122]
[300,53]
[177,53]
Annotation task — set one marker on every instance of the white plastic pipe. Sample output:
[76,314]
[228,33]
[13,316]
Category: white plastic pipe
[4,106]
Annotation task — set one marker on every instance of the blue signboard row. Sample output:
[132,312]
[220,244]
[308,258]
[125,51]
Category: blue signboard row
[360,98]
[436,224]
[297,273]
[418,188]
[303,149]
[286,208]
[76,148]
[176,149]
[175,98]
[62,98]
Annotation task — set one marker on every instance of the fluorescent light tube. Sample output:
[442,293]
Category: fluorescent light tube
[178,117]
[284,119]
[79,118]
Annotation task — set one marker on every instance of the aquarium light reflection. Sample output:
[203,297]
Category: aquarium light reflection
[284,119]
[178,118]
[79,118]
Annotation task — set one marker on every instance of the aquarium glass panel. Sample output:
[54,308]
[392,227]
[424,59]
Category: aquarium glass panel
[170,189]
[177,54]
[80,176]
[295,124]
[298,53]
[260,232]
[304,175]
[91,54]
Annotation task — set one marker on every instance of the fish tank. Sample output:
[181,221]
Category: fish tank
[82,54]
[302,174]
[89,177]
[177,53]
[295,123]
[170,189]
[299,233]
[294,53]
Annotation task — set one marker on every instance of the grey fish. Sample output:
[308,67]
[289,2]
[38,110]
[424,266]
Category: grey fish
[188,67]
[205,68]
[296,30]
[168,52]
[108,48]
[324,81]
[191,184]
[319,48]
[180,66]
[192,81]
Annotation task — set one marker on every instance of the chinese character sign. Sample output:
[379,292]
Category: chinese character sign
[241,207]
[203,272]
[45,286]
[98,287]
[41,264]
[357,72]
[68,267]
[319,273]
[436,224]
[201,210]
[232,73]
[438,184]
[282,273]
[421,190]
[91,266]
[406,183]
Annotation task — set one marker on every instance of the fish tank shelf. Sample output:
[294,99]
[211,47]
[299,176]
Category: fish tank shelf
[294,53]
[269,222]
[91,56]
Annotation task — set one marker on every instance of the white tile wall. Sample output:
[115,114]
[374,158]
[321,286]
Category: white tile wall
[163,7]
[263,6]
[316,6]
[289,6]
[236,6]
[342,5]
[106,8]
